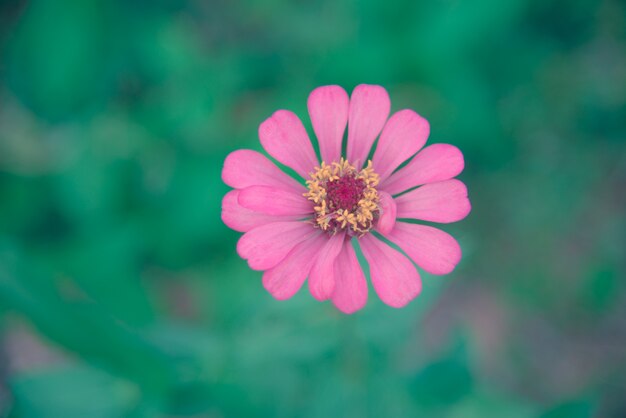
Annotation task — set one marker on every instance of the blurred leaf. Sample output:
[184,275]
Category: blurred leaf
[59,57]
[60,313]
[496,404]
[72,392]
[601,288]
[573,409]
[443,382]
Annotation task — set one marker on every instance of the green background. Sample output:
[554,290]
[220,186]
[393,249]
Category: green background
[121,294]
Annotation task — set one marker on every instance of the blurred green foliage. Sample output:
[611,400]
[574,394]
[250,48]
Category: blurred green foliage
[120,291]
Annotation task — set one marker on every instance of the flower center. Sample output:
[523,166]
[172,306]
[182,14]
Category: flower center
[345,198]
[345,193]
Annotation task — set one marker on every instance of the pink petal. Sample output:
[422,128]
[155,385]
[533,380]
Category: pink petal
[404,134]
[437,162]
[430,248]
[442,202]
[328,108]
[245,168]
[241,219]
[369,108]
[387,218]
[350,292]
[322,277]
[284,280]
[283,136]
[394,277]
[267,245]
[273,201]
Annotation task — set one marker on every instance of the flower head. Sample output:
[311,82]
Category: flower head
[307,228]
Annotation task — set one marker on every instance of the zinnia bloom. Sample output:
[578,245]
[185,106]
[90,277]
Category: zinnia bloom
[294,231]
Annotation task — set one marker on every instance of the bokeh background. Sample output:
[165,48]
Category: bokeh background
[121,294]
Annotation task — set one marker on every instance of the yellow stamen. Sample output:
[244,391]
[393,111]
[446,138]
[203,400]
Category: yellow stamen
[358,219]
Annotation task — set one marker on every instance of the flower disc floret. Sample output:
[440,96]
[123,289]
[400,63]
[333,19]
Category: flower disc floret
[345,198]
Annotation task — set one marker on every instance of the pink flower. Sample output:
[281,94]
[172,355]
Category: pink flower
[293,231]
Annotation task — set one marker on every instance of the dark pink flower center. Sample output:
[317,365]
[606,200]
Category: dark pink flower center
[345,193]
